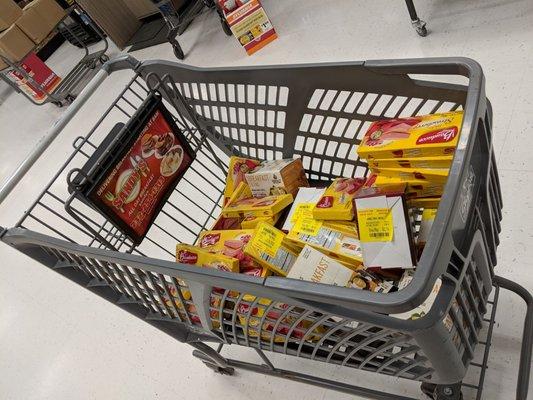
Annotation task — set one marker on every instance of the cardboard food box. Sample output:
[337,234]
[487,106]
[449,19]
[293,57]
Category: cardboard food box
[415,187]
[336,240]
[424,202]
[277,177]
[238,168]
[424,136]
[306,198]
[367,280]
[251,222]
[14,44]
[187,254]
[423,308]
[384,227]
[314,266]
[250,25]
[242,204]
[436,175]
[337,201]
[428,217]
[412,162]
[229,243]
[268,247]
[9,13]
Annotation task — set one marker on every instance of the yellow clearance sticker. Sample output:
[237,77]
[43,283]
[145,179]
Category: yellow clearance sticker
[375,224]
[307,225]
[429,214]
[267,239]
[302,208]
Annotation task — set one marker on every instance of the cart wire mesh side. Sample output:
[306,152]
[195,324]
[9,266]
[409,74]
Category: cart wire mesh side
[319,113]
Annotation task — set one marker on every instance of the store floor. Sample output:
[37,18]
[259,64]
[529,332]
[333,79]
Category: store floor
[61,342]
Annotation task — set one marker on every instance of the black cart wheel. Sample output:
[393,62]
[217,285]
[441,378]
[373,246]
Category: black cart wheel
[178,52]
[103,58]
[69,98]
[442,392]
[225,26]
[422,31]
[57,104]
[230,371]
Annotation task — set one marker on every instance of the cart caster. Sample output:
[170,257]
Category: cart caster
[442,392]
[178,52]
[225,26]
[57,104]
[420,27]
[229,371]
[103,58]
[69,98]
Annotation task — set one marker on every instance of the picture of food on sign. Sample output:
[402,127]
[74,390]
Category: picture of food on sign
[128,185]
[163,144]
[383,132]
[148,142]
[171,161]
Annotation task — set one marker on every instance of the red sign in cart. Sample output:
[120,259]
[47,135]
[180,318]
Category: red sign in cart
[40,73]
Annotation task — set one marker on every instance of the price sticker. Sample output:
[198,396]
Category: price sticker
[307,225]
[375,224]
[267,239]
[302,208]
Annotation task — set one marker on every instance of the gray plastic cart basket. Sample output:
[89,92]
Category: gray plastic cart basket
[318,112]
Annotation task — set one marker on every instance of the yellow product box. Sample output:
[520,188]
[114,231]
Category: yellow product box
[251,222]
[337,201]
[268,248]
[424,202]
[423,136]
[415,187]
[426,223]
[187,254]
[241,205]
[237,170]
[436,175]
[230,243]
[340,241]
[413,162]
[223,223]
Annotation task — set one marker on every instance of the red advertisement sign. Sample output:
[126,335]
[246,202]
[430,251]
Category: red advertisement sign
[136,187]
[40,73]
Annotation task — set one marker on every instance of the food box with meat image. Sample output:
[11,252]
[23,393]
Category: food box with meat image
[242,204]
[229,243]
[337,201]
[187,254]
[423,136]
[238,168]
[132,173]
[436,175]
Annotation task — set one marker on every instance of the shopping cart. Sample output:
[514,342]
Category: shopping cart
[177,23]
[317,112]
[67,89]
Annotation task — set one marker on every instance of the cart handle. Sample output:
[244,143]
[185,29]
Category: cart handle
[116,64]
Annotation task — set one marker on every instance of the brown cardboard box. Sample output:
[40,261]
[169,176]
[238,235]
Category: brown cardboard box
[14,44]
[9,12]
[33,25]
[50,12]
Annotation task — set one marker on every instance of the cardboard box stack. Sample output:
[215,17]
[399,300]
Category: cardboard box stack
[22,29]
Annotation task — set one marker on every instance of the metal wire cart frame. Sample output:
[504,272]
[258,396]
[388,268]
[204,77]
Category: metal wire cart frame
[65,92]
[317,112]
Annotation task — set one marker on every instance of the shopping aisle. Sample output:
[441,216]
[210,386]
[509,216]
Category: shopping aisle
[60,342]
